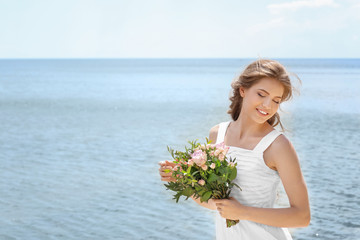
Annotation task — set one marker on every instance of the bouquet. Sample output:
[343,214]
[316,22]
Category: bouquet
[203,171]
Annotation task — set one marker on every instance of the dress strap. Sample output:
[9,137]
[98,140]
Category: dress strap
[266,141]
[221,132]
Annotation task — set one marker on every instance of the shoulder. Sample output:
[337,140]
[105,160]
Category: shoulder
[281,150]
[281,142]
[213,133]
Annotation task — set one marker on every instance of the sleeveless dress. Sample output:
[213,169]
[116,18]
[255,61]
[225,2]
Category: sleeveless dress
[259,185]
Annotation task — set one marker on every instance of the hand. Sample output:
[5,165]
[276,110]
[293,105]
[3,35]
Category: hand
[166,176]
[230,208]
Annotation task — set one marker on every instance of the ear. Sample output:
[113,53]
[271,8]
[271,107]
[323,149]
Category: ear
[242,91]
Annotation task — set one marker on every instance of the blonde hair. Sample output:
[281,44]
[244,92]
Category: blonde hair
[252,74]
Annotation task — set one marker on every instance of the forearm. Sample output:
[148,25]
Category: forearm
[278,217]
[210,204]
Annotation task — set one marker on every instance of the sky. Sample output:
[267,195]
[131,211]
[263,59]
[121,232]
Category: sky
[179,29]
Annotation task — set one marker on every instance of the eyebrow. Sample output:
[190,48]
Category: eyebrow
[268,92]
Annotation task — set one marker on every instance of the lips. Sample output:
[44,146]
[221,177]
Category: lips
[263,113]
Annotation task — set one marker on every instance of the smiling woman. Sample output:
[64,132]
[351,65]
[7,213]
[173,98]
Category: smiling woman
[275,79]
[264,156]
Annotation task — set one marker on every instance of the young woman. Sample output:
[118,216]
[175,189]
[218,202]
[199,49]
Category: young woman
[264,158]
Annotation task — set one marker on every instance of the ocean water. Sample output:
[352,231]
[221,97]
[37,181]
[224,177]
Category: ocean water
[80,141]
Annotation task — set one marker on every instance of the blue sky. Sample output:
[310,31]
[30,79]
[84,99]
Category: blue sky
[180,29]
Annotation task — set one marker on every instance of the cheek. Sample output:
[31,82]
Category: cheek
[276,106]
[275,109]
[253,100]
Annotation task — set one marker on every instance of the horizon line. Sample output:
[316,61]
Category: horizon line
[171,58]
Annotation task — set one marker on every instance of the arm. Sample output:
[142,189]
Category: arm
[287,164]
[210,204]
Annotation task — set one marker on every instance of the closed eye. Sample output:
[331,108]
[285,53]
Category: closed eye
[264,96]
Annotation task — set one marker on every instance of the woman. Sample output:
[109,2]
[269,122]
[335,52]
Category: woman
[264,158]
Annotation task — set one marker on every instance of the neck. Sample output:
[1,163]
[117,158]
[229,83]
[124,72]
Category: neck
[247,127]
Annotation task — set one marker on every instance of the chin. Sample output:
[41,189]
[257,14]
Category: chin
[262,120]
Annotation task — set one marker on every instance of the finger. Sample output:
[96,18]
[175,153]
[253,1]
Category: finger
[164,163]
[162,170]
[166,174]
[165,171]
[168,179]
[167,167]
[164,167]
[169,163]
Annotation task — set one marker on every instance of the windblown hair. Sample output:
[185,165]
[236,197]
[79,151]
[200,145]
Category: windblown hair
[252,74]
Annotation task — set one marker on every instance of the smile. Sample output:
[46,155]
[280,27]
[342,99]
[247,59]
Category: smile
[262,112]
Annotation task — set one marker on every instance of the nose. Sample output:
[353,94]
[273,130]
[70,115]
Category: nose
[267,103]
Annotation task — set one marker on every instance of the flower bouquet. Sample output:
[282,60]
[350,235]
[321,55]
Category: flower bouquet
[203,171]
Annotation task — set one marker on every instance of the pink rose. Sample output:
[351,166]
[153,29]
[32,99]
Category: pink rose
[199,157]
[204,167]
[226,149]
[212,165]
[232,164]
[221,157]
[201,182]
[220,145]
[190,162]
[217,152]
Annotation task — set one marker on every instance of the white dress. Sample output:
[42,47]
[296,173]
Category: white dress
[259,186]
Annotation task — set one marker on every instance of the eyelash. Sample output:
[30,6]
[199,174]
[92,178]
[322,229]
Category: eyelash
[264,96]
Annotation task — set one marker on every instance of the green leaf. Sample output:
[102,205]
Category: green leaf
[237,185]
[201,192]
[195,173]
[188,170]
[205,197]
[188,191]
[233,174]
[203,175]
[222,170]
[213,177]
[222,179]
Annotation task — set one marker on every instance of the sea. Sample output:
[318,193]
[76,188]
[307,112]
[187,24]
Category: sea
[81,139]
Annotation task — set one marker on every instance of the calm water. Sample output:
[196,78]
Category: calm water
[80,141]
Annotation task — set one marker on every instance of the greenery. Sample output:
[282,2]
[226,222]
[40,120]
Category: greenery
[203,171]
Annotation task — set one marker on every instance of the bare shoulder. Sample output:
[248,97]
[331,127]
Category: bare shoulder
[281,151]
[213,133]
[281,143]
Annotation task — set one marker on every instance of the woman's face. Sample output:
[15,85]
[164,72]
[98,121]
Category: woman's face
[262,100]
